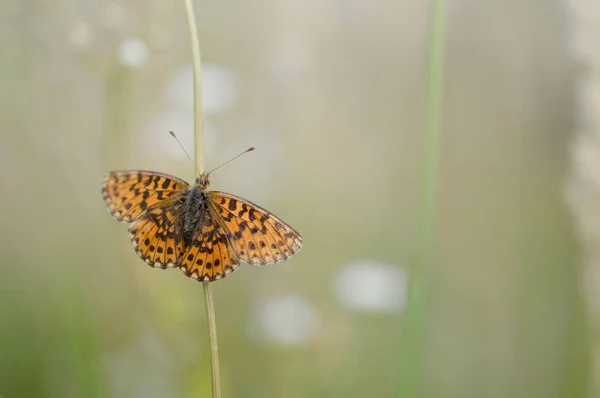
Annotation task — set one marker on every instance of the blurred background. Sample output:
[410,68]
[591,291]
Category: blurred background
[332,95]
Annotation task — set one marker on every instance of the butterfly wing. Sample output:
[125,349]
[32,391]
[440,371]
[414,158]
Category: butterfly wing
[128,194]
[210,257]
[257,236]
[156,237]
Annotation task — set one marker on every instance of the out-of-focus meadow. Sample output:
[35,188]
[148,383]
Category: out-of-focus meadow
[332,95]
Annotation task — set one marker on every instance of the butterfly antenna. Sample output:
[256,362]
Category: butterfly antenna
[231,160]
[181,146]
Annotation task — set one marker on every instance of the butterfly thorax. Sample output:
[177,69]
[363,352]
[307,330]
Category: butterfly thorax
[194,206]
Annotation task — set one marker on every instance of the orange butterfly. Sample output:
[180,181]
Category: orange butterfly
[204,233]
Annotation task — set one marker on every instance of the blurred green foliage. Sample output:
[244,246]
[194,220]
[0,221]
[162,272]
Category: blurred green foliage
[332,95]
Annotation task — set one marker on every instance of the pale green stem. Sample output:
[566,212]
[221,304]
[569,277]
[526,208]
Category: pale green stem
[197,65]
[214,346]
[418,294]
[199,152]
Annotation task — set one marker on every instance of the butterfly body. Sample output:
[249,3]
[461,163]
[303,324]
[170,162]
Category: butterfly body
[204,233]
[194,207]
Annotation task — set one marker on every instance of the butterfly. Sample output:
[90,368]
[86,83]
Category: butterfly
[204,233]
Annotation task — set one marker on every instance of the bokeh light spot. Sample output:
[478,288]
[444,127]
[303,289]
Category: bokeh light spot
[288,320]
[133,52]
[370,285]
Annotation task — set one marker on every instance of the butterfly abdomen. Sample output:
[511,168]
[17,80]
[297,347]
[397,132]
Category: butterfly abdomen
[193,210]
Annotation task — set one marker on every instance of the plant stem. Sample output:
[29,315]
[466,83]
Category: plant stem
[199,152]
[197,65]
[418,294]
[214,346]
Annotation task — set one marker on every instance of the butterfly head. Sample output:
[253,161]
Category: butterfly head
[203,180]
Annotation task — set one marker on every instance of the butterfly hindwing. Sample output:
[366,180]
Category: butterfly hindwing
[156,237]
[128,194]
[210,256]
[257,236]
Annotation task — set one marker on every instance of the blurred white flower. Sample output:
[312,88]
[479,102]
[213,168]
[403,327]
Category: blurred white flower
[80,35]
[133,52]
[219,89]
[288,320]
[370,285]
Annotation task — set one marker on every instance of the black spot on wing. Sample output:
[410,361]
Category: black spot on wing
[232,204]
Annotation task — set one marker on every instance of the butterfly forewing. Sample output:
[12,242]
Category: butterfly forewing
[257,236]
[210,256]
[128,194]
